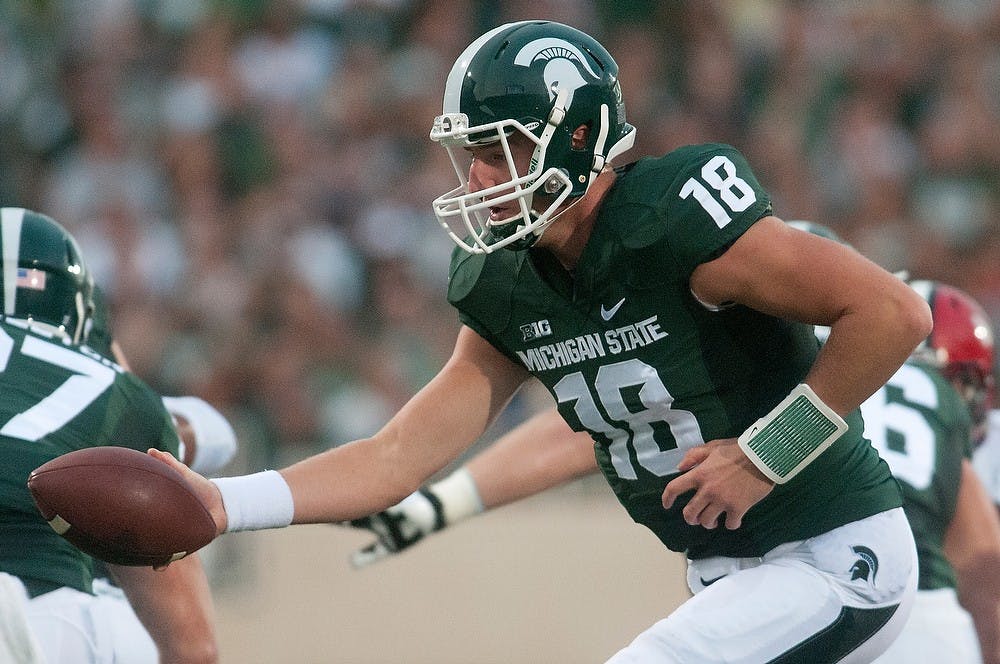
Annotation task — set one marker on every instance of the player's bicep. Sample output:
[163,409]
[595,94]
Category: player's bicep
[790,273]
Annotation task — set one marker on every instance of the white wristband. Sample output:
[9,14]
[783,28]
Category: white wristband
[459,496]
[255,502]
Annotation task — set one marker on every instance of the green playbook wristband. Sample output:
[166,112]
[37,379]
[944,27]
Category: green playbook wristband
[787,439]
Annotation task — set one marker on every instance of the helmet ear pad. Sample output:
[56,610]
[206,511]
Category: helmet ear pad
[577,146]
[576,158]
[580,154]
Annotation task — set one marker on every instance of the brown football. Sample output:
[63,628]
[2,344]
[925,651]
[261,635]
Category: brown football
[121,506]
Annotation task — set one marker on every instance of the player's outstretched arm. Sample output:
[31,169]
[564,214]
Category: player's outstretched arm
[175,606]
[370,475]
[972,545]
[541,453]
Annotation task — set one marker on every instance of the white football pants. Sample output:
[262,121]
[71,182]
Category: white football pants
[939,630]
[17,641]
[72,626]
[842,596]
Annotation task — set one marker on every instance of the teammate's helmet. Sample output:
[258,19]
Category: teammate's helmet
[961,345]
[42,274]
[541,80]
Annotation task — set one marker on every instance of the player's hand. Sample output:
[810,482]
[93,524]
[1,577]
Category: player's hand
[204,488]
[399,527]
[726,484]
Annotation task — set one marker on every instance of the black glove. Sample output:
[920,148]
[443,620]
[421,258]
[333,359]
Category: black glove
[399,527]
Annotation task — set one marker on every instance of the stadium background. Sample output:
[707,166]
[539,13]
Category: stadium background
[250,181]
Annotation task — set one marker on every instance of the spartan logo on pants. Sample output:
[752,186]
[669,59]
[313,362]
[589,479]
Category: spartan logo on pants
[866,566]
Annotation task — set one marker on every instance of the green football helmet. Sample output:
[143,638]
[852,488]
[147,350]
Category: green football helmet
[43,277]
[541,80]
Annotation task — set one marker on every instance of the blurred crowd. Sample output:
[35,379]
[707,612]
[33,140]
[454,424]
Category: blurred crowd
[250,179]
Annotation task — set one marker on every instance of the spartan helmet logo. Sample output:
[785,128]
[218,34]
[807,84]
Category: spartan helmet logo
[564,67]
[866,566]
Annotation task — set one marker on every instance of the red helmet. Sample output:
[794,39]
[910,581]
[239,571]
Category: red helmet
[961,346]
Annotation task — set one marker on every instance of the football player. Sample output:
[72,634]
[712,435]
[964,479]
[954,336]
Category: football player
[669,313]
[923,422]
[946,497]
[206,443]
[60,395]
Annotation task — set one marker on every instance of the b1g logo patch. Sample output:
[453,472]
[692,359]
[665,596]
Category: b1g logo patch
[536,330]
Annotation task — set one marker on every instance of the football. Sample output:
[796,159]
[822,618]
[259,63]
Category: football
[121,506]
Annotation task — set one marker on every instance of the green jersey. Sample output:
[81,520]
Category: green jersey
[59,398]
[632,357]
[920,426]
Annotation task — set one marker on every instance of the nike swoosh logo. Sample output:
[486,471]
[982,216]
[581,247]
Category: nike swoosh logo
[710,581]
[607,314]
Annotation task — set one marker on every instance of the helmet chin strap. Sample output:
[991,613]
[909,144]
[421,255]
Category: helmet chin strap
[556,117]
[555,217]
[81,317]
[599,159]
[528,215]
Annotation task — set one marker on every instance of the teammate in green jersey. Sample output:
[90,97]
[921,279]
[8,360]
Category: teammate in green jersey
[61,395]
[206,442]
[670,315]
[924,423]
